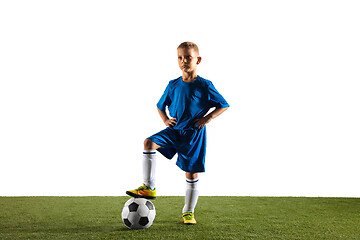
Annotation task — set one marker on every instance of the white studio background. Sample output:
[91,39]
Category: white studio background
[79,83]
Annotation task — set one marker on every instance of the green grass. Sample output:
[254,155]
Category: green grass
[218,218]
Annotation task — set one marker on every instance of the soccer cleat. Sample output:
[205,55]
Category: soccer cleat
[189,218]
[142,192]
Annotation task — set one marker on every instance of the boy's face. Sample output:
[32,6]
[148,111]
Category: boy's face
[188,59]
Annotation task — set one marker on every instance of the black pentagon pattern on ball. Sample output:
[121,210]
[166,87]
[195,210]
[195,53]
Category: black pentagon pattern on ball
[133,207]
[127,222]
[143,221]
[149,205]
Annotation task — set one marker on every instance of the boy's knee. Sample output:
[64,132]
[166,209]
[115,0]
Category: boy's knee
[191,176]
[148,144]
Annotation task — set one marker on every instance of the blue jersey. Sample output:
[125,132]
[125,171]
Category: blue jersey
[188,101]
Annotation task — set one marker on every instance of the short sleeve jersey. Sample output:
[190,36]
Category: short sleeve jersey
[188,101]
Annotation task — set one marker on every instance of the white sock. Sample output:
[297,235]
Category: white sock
[149,165]
[191,195]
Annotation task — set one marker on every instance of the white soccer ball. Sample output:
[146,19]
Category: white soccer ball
[138,213]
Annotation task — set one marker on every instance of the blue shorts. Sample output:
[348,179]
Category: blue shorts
[190,145]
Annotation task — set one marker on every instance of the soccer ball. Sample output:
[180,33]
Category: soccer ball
[138,213]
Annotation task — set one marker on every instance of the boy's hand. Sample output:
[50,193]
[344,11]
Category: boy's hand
[170,122]
[201,122]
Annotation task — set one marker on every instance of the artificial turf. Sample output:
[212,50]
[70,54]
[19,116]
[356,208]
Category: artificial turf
[217,217]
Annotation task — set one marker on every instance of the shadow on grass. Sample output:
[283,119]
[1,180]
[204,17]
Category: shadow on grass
[70,229]
[159,224]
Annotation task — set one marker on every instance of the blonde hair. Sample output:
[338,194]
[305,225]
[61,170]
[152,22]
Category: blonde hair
[189,45]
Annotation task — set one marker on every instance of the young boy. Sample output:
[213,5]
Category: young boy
[188,98]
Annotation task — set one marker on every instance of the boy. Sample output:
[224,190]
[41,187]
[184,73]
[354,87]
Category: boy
[188,99]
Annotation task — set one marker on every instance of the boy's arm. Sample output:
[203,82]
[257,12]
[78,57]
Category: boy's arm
[170,122]
[200,123]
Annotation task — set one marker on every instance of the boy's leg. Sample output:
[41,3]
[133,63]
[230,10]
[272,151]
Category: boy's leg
[149,163]
[191,197]
[192,192]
